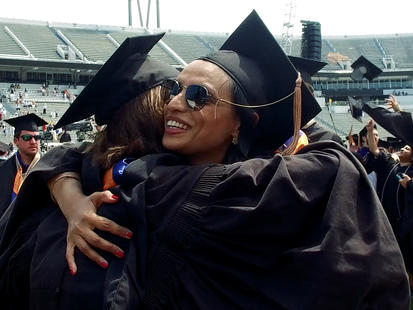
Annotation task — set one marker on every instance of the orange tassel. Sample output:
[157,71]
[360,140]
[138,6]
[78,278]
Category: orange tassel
[296,117]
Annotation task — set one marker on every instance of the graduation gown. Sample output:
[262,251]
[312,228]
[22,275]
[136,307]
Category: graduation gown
[315,133]
[7,174]
[298,232]
[396,200]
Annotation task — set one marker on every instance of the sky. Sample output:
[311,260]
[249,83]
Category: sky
[348,17]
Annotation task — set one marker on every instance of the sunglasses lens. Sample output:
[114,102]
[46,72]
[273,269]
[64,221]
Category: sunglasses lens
[173,87]
[196,96]
[26,137]
[29,137]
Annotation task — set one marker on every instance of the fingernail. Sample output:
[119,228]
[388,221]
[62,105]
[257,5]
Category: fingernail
[120,254]
[104,264]
[115,196]
[71,271]
[129,234]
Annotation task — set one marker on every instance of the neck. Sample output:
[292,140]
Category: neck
[26,159]
[405,163]
[199,160]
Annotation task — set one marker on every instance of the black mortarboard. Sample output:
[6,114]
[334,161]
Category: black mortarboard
[395,143]
[399,124]
[356,108]
[4,148]
[307,67]
[256,63]
[29,122]
[364,68]
[128,73]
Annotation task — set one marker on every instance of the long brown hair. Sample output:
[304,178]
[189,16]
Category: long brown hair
[135,130]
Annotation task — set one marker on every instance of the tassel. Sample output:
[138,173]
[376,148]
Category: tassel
[296,116]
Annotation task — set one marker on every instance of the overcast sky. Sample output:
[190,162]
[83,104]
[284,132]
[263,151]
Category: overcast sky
[349,17]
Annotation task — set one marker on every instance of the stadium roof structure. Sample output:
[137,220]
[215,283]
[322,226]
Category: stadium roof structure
[64,45]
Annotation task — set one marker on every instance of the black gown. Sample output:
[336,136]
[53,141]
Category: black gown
[7,174]
[299,232]
[397,201]
[316,133]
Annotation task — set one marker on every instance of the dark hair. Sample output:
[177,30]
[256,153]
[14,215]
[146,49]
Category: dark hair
[17,134]
[135,130]
[241,151]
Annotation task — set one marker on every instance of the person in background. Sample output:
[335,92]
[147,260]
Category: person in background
[14,170]
[64,136]
[394,186]
[4,150]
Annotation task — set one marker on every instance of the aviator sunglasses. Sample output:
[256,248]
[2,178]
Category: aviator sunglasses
[197,96]
[28,137]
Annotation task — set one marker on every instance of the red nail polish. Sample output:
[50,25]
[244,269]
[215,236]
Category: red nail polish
[120,254]
[104,264]
[115,196]
[129,234]
[71,271]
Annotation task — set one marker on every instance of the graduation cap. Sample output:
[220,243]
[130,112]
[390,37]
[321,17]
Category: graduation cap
[395,143]
[399,124]
[363,68]
[29,122]
[259,67]
[307,67]
[356,108]
[129,72]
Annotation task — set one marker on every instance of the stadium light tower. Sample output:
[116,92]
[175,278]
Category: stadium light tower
[148,13]
[130,12]
[288,26]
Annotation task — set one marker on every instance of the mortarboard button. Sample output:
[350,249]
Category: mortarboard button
[363,68]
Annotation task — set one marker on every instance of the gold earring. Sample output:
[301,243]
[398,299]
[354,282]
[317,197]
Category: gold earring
[235,140]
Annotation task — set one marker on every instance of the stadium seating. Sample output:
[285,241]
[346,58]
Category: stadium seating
[180,42]
[94,44]
[8,46]
[42,45]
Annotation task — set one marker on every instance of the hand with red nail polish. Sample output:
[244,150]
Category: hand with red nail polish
[80,212]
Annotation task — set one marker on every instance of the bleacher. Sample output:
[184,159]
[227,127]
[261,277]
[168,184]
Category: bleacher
[41,40]
[94,44]
[214,41]
[8,46]
[180,42]
[401,48]
[41,45]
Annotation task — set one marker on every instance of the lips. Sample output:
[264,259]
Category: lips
[174,126]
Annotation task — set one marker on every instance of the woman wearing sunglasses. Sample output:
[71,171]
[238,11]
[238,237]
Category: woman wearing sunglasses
[292,232]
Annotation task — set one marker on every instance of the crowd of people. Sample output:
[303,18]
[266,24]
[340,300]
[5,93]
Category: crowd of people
[209,188]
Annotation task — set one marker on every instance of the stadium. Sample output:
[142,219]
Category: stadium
[51,62]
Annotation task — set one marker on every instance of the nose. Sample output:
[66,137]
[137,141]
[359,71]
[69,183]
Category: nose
[177,102]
